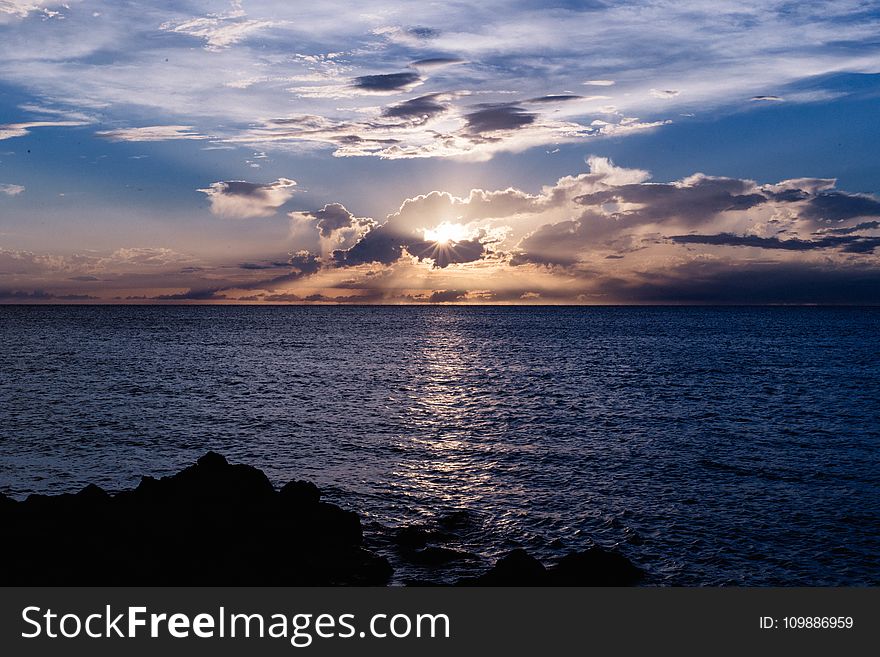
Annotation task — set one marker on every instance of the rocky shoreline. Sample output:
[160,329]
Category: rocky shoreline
[215,523]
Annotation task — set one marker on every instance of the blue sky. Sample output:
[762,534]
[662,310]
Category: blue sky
[530,152]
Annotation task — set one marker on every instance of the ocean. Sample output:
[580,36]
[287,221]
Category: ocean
[712,446]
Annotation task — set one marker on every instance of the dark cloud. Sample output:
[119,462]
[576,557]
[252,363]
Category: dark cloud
[436,61]
[422,32]
[41,295]
[387,81]
[304,262]
[378,245]
[242,188]
[446,296]
[263,265]
[701,282]
[552,244]
[84,279]
[332,217]
[417,110]
[554,98]
[301,265]
[788,195]
[838,206]
[447,254]
[850,244]
[498,117]
[693,202]
[867,225]
[192,295]
[282,297]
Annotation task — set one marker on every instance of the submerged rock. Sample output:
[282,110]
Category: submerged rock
[592,567]
[211,524]
[595,567]
[516,568]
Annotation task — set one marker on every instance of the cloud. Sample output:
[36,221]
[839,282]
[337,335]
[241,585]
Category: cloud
[333,217]
[12,130]
[867,225]
[239,199]
[447,296]
[420,110]
[495,118]
[40,296]
[766,98]
[219,31]
[431,63]
[11,190]
[712,282]
[388,82]
[141,61]
[192,295]
[848,244]
[445,129]
[839,206]
[612,235]
[21,8]
[151,133]
[606,235]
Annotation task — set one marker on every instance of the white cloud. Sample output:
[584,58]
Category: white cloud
[21,8]
[152,133]
[11,190]
[238,199]
[219,31]
[12,130]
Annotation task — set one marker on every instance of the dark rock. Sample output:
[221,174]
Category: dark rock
[516,568]
[94,494]
[300,493]
[7,503]
[412,538]
[213,523]
[595,567]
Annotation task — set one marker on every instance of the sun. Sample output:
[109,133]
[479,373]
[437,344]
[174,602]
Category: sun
[445,233]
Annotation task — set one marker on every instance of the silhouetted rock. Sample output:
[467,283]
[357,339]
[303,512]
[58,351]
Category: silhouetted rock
[516,568]
[94,494]
[595,567]
[300,493]
[412,538]
[215,524]
[211,524]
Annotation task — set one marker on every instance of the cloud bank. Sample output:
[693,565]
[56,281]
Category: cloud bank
[282,76]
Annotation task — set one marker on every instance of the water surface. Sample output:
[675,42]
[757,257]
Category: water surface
[711,445]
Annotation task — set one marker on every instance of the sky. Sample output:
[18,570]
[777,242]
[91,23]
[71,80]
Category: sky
[531,152]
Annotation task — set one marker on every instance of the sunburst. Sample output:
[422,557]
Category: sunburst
[446,233]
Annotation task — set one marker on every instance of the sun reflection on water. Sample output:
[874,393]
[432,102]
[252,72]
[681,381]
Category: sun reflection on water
[443,455]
